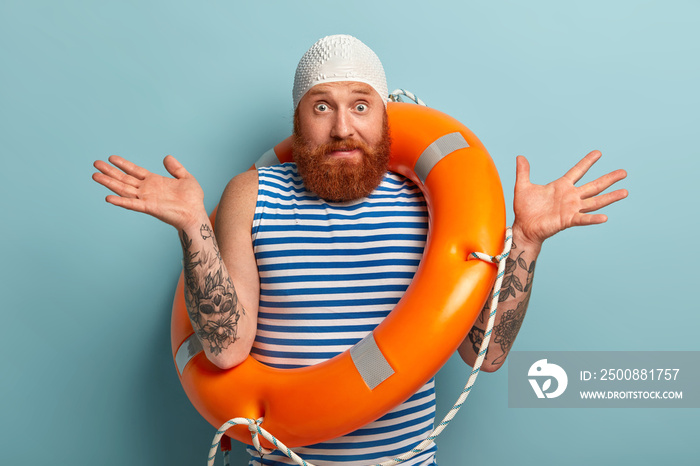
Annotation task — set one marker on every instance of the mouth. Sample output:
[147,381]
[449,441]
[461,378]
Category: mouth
[344,153]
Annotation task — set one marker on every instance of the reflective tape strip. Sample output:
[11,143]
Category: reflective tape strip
[439,149]
[187,351]
[268,159]
[370,362]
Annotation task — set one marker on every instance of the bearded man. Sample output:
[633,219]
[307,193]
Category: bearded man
[308,257]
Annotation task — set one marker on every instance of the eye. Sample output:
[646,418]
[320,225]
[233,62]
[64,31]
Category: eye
[322,107]
[361,107]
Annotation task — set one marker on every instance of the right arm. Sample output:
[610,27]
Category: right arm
[223,317]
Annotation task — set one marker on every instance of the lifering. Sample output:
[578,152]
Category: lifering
[317,403]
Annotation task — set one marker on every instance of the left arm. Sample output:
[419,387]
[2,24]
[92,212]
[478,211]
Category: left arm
[540,211]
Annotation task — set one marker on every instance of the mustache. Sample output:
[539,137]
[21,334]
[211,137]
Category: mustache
[342,145]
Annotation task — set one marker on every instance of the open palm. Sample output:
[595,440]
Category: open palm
[544,210]
[177,201]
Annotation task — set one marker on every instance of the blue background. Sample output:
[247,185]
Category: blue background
[87,375]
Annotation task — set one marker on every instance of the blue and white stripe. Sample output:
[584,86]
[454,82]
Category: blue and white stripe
[329,274]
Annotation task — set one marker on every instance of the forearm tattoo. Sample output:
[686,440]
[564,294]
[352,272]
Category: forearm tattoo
[517,283]
[211,299]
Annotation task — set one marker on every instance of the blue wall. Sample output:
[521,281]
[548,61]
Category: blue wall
[87,376]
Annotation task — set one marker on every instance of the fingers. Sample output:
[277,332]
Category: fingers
[124,182]
[596,187]
[581,220]
[114,185]
[598,202]
[580,169]
[112,172]
[128,167]
[174,167]
[127,202]
[522,171]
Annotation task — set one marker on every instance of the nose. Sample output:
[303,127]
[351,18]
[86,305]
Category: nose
[342,126]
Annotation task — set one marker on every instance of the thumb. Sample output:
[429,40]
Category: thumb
[174,167]
[522,170]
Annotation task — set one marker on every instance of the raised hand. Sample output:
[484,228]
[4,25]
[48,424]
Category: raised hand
[177,201]
[542,211]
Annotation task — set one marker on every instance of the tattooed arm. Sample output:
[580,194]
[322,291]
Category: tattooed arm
[223,317]
[540,212]
[512,304]
[234,222]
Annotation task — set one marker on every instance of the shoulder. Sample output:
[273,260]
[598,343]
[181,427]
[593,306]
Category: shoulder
[241,187]
[237,204]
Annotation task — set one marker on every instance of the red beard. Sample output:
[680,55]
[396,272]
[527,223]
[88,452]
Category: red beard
[336,179]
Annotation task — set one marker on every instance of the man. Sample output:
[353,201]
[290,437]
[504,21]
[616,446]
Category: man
[307,258]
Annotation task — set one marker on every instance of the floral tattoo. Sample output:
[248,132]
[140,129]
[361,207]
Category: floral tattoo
[516,281]
[212,302]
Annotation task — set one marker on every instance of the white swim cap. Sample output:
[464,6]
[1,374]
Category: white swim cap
[339,58]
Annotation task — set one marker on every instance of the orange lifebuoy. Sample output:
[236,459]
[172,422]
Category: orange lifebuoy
[317,403]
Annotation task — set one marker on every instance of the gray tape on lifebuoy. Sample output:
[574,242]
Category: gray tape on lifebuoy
[438,150]
[187,350]
[268,159]
[370,362]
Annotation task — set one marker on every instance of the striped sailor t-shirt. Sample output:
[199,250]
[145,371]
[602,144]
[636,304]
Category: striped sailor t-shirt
[329,274]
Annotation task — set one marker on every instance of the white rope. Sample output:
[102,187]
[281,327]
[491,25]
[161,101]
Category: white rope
[254,425]
[396,96]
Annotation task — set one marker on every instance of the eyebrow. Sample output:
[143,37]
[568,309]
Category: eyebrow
[362,90]
[354,90]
